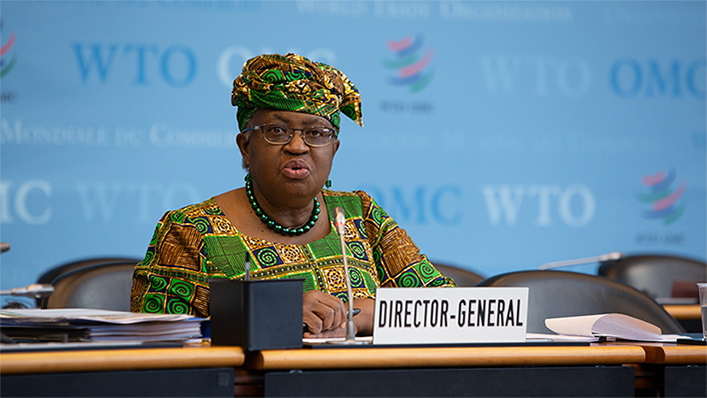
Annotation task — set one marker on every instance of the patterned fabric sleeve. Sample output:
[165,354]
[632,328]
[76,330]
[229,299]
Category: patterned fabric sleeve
[171,279]
[398,260]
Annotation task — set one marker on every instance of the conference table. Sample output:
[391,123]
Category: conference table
[597,369]
[687,314]
[683,311]
[678,369]
[521,370]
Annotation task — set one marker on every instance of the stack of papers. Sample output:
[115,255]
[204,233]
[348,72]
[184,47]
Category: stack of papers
[100,325]
[610,326]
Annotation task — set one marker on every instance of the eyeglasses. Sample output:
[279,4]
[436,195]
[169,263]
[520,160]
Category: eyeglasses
[277,134]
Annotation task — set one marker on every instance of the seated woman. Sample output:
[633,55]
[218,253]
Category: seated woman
[288,116]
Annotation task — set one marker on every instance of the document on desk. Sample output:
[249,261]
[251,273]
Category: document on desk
[611,326]
[107,325]
[549,337]
[334,340]
[86,314]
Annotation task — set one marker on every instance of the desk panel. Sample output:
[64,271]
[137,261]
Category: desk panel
[581,381]
[594,370]
[683,381]
[680,370]
[207,382]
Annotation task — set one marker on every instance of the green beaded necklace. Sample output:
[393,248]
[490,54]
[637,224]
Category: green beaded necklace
[272,224]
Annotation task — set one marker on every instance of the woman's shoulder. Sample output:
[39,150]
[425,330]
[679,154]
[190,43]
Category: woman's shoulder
[358,202]
[358,199]
[347,195]
[205,208]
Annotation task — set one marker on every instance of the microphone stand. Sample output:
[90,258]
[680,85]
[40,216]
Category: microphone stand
[339,222]
[36,290]
[349,314]
[246,276]
[586,260]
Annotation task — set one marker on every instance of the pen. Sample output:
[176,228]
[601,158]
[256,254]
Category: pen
[356,311]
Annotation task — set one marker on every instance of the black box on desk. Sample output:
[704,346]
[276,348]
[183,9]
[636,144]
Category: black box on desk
[256,314]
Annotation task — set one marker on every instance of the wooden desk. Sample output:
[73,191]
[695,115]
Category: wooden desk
[682,312]
[120,359]
[406,357]
[688,315]
[594,370]
[677,370]
[675,354]
[188,371]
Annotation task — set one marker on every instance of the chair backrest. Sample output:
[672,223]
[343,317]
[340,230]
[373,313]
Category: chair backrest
[52,273]
[655,275]
[462,277]
[562,293]
[101,286]
[48,276]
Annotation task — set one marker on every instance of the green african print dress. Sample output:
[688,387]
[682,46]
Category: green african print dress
[196,243]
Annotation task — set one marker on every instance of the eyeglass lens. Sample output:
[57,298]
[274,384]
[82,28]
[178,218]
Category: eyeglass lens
[313,136]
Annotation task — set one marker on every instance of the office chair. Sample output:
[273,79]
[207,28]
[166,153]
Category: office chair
[462,277]
[101,286]
[562,293]
[659,276]
[51,274]
[48,276]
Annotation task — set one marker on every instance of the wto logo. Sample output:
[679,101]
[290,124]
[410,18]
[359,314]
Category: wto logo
[175,65]
[5,69]
[676,78]
[665,201]
[410,65]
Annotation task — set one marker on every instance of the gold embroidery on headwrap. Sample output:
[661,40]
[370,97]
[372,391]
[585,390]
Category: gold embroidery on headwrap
[294,83]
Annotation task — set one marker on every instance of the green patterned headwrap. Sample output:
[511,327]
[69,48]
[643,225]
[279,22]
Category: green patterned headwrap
[294,83]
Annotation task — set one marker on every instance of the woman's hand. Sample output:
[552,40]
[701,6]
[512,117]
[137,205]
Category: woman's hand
[324,315]
[364,320]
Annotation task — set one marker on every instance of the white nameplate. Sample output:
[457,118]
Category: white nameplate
[450,315]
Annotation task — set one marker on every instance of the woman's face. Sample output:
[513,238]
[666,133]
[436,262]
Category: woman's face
[290,174]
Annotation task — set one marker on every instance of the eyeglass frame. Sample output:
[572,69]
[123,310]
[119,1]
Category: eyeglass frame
[334,134]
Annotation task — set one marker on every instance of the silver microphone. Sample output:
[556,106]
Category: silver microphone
[36,290]
[246,276]
[339,224]
[585,260]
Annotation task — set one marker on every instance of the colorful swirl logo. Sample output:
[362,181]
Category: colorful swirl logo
[664,200]
[410,65]
[6,68]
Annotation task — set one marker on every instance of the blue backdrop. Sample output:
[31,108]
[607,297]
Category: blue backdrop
[500,135]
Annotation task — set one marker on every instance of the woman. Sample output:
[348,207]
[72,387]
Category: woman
[288,115]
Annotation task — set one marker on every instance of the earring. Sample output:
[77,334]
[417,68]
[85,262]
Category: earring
[327,184]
